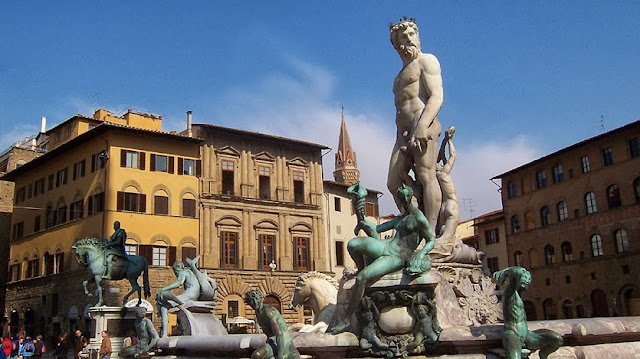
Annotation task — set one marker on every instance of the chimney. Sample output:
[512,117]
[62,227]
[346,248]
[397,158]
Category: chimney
[189,132]
[43,124]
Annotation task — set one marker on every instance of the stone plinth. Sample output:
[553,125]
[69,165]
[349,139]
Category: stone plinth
[117,321]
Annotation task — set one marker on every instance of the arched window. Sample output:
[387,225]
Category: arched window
[636,189]
[515,224]
[529,220]
[622,241]
[131,247]
[512,189]
[563,211]
[544,216]
[590,202]
[549,309]
[517,259]
[558,176]
[48,217]
[613,196]
[596,245]
[549,254]
[48,263]
[566,251]
[131,200]
[189,205]
[273,301]
[161,203]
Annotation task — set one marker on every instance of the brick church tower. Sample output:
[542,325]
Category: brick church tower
[346,167]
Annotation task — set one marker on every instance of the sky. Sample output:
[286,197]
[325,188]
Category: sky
[521,78]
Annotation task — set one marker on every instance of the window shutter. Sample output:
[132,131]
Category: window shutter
[180,165]
[120,201]
[143,157]
[61,268]
[90,206]
[82,168]
[146,251]
[198,168]
[172,255]
[75,169]
[93,163]
[142,203]
[123,158]
[152,162]
[171,164]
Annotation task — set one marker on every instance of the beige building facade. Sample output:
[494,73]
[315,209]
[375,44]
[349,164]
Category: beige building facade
[487,233]
[573,219]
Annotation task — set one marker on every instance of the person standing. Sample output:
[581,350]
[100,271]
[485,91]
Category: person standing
[78,343]
[38,347]
[105,346]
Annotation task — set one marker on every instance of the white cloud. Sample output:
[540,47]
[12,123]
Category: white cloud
[18,133]
[476,163]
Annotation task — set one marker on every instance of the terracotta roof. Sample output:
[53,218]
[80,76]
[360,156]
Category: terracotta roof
[488,214]
[258,134]
[569,148]
[84,137]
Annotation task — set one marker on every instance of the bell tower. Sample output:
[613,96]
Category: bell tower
[346,167]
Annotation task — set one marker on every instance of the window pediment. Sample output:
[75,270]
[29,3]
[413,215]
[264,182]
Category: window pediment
[229,221]
[297,161]
[228,151]
[264,156]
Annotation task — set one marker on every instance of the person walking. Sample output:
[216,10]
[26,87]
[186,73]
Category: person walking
[39,348]
[105,346]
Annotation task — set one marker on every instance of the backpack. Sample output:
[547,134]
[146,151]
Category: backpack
[29,347]
[44,348]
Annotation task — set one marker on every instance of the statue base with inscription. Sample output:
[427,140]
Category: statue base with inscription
[117,321]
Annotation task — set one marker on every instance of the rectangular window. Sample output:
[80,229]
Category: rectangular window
[584,162]
[78,170]
[634,147]
[161,205]
[29,190]
[131,202]
[18,230]
[98,161]
[491,236]
[298,187]
[229,246]
[337,204]
[267,249]
[189,207]
[50,182]
[60,215]
[36,224]
[264,182]
[131,249]
[161,163]
[301,254]
[541,179]
[607,156]
[69,131]
[492,264]
[188,167]
[14,272]
[20,195]
[558,176]
[58,263]
[159,256]
[339,253]
[33,269]
[39,188]
[227,178]
[96,204]
[76,210]
[132,159]
[188,252]
[233,308]
[370,209]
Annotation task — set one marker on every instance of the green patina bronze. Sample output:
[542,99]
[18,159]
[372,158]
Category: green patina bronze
[279,344]
[517,337]
[388,255]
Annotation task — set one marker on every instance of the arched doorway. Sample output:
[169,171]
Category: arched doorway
[549,309]
[530,310]
[567,309]
[273,301]
[599,304]
[580,311]
[630,303]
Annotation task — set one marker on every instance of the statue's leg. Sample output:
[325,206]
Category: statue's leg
[512,344]
[546,340]
[397,171]
[107,268]
[134,288]
[98,280]
[164,320]
[85,285]
[431,194]
[263,352]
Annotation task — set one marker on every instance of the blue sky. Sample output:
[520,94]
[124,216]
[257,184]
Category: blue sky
[521,79]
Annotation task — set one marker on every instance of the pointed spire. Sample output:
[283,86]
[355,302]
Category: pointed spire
[346,167]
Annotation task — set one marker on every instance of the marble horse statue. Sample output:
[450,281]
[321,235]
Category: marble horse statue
[319,291]
[91,252]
